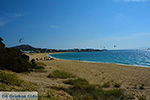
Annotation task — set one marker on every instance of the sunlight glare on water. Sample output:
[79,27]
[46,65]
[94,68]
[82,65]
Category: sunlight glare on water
[128,57]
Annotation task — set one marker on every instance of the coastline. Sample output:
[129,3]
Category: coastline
[99,73]
[97,62]
[35,55]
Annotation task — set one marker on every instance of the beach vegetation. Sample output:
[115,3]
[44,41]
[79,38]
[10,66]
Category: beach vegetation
[41,64]
[10,81]
[50,95]
[116,85]
[5,87]
[60,74]
[106,85]
[82,90]
[92,92]
[79,82]
[13,59]
[48,98]
[130,96]
[141,86]
[9,78]
[37,66]
[141,97]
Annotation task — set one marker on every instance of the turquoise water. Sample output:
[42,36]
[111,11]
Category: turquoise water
[128,57]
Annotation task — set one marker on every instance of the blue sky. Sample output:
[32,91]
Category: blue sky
[76,23]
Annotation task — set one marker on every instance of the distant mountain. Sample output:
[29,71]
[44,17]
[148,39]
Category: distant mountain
[25,47]
[29,49]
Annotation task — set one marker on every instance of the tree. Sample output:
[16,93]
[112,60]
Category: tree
[2,45]
[13,59]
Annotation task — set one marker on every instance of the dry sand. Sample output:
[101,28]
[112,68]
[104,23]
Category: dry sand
[95,73]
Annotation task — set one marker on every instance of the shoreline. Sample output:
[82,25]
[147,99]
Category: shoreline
[99,73]
[96,62]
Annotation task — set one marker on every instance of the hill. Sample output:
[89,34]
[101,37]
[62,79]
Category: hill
[30,49]
[25,47]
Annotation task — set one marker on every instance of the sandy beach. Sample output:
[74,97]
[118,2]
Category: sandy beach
[97,73]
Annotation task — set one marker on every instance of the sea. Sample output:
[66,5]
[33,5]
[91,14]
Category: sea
[125,57]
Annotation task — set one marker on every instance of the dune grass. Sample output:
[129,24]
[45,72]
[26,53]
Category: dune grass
[50,95]
[61,74]
[77,82]
[82,90]
[40,64]
[117,85]
[106,84]
[11,82]
[9,78]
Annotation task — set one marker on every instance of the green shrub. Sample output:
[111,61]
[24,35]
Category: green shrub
[50,95]
[106,84]
[5,87]
[141,87]
[28,86]
[60,74]
[86,92]
[79,82]
[92,92]
[10,79]
[82,90]
[13,59]
[38,67]
[40,64]
[117,85]
[113,92]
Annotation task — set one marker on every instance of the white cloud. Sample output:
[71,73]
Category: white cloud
[131,0]
[16,15]
[6,18]
[3,22]
[54,26]
[135,40]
